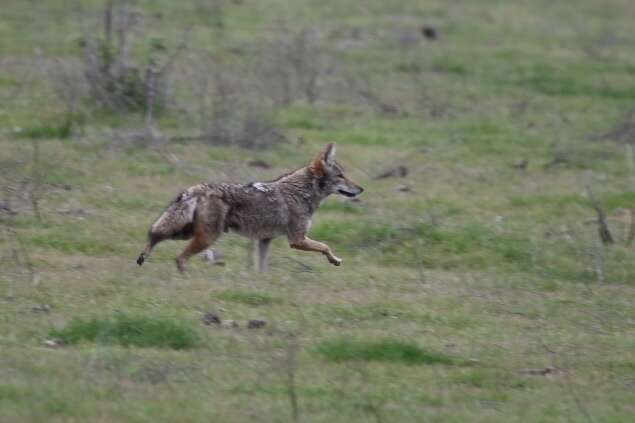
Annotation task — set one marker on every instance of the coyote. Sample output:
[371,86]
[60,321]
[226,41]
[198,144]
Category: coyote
[259,211]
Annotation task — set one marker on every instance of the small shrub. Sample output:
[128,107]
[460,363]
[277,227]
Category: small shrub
[129,330]
[237,117]
[248,297]
[387,350]
[114,78]
[292,65]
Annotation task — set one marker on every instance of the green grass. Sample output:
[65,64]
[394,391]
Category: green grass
[69,240]
[553,82]
[472,246]
[129,331]
[62,131]
[491,379]
[618,200]
[250,298]
[542,201]
[450,65]
[447,290]
[387,350]
[342,207]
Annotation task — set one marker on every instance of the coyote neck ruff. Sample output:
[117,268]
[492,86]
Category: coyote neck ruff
[260,211]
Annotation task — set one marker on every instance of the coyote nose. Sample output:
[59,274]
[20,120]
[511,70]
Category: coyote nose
[361,190]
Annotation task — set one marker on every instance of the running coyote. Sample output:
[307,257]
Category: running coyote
[259,211]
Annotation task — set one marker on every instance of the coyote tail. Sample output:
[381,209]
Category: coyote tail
[176,222]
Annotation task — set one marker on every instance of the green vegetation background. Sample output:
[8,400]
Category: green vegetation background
[475,288]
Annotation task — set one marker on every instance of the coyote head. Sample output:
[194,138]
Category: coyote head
[331,179]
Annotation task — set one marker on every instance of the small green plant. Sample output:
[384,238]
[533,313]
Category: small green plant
[129,331]
[248,297]
[43,131]
[451,66]
[386,350]
[116,80]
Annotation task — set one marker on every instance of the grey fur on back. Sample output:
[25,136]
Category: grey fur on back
[256,210]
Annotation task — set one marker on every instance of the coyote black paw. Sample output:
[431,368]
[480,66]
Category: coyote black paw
[140,260]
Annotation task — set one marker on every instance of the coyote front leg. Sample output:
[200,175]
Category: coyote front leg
[263,252]
[257,253]
[307,244]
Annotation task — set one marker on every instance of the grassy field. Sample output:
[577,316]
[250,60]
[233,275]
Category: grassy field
[475,288]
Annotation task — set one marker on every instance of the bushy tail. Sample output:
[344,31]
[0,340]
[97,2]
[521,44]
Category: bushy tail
[152,241]
[176,222]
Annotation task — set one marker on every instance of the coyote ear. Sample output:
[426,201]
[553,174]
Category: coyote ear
[318,166]
[324,160]
[329,154]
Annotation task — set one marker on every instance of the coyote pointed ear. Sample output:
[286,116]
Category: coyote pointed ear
[329,154]
[325,160]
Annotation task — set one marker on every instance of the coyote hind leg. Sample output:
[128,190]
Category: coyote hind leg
[207,229]
[200,242]
[252,250]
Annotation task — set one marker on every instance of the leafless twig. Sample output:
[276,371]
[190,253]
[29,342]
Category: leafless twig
[603,228]
[155,72]
[21,255]
[598,259]
[630,237]
[35,179]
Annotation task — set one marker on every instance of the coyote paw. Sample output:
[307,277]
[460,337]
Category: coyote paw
[180,265]
[336,261]
[140,260]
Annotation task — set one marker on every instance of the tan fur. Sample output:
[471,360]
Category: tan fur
[260,211]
